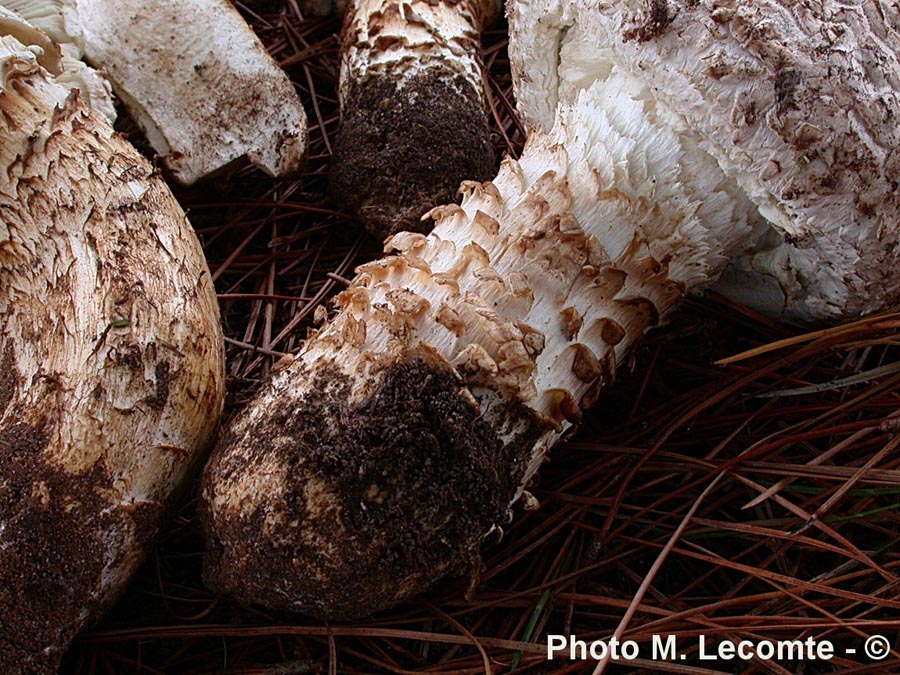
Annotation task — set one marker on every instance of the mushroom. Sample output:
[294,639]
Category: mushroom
[398,438]
[46,16]
[196,80]
[413,109]
[112,373]
[795,101]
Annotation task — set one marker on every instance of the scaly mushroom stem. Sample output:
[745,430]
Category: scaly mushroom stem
[111,365]
[196,80]
[413,112]
[380,458]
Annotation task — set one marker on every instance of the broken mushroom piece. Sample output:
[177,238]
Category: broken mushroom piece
[197,81]
[797,102]
[112,373]
[379,459]
[413,109]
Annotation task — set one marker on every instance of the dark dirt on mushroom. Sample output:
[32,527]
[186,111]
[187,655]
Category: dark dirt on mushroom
[401,151]
[51,570]
[415,452]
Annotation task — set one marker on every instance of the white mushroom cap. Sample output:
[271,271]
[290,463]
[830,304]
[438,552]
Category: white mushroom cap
[797,102]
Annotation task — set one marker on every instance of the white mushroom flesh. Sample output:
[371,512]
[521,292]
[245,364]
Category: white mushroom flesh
[197,80]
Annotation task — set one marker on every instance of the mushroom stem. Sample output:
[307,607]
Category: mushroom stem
[380,458]
[413,120]
[111,364]
[681,134]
